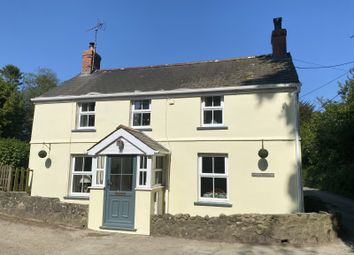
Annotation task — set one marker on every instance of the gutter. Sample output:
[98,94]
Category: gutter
[177,92]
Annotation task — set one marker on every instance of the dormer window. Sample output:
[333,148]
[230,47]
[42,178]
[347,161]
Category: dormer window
[141,113]
[86,115]
[212,111]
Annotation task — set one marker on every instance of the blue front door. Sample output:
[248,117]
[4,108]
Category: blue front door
[120,192]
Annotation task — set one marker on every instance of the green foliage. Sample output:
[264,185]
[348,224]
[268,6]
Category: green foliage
[328,142]
[13,152]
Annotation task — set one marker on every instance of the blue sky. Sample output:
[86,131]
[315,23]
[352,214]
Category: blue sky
[53,34]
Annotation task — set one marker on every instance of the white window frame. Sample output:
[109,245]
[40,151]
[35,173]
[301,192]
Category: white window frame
[146,170]
[213,175]
[133,111]
[81,113]
[158,170]
[212,108]
[95,170]
[73,173]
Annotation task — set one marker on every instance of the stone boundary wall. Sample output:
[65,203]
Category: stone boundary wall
[296,229]
[48,210]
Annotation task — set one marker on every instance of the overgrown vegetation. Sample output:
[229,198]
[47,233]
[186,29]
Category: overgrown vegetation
[14,152]
[328,142]
[16,110]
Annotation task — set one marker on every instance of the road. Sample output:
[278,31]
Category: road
[29,238]
[343,205]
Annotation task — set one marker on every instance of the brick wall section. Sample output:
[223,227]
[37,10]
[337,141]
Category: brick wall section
[297,229]
[49,210]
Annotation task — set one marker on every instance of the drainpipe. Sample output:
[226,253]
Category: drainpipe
[300,194]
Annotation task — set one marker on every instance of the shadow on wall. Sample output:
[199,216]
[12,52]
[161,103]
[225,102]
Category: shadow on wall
[293,192]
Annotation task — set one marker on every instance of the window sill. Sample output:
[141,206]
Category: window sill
[210,203]
[213,128]
[143,128]
[79,130]
[76,198]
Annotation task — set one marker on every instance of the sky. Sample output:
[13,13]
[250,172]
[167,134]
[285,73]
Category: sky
[53,34]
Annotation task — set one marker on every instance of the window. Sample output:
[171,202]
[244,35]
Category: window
[100,166]
[141,113]
[158,170]
[212,110]
[142,171]
[86,116]
[81,178]
[213,177]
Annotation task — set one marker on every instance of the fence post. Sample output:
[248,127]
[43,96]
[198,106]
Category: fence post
[9,179]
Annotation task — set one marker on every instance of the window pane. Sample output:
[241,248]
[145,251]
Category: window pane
[146,119]
[207,117]
[115,182]
[219,165]
[217,117]
[78,163]
[99,177]
[116,165]
[220,188]
[145,104]
[136,119]
[159,162]
[87,164]
[206,187]
[100,162]
[207,165]
[137,105]
[143,162]
[91,107]
[216,101]
[142,178]
[91,120]
[127,182]
[83,121]
[81,183]
[84,107]
[158,177]
[127,165]
[208,101]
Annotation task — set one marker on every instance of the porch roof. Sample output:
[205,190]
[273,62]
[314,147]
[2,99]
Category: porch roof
[141,141]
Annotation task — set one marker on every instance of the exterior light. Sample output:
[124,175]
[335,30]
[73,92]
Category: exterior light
[120,144]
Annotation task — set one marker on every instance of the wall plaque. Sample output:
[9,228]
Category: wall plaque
[262,174]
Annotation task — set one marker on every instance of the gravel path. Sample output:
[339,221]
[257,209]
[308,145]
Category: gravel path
[27,238]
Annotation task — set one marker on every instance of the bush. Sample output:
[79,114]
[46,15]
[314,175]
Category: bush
[14,152]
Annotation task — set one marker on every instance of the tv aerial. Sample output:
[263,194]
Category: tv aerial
[100,26]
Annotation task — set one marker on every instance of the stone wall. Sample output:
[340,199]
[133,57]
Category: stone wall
[297,229]
[49,210]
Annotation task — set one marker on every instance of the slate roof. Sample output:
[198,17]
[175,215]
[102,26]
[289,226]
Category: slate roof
[145,139]
[256,70]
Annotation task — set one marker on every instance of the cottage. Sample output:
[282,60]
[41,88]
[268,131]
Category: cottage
[203,138]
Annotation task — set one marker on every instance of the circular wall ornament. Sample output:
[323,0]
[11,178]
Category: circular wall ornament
[42,154]
[263,153]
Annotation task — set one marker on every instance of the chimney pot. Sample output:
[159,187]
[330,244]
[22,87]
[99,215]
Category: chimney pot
[278,38]
[91,60]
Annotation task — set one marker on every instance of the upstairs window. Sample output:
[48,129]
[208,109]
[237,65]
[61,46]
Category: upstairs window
[86,116]
[141,113]
[212,111]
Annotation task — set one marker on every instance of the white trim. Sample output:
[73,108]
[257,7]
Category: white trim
[85,113]
[226,175]
[197,92]
[97,148]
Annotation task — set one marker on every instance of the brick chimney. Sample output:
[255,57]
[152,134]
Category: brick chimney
[90,60]
[278,38]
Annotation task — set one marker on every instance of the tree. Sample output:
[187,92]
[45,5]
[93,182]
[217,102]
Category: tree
[34,85]
[328,141]
[11,110]
[11,75]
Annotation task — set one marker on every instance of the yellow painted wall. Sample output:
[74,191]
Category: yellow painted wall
[174,122]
